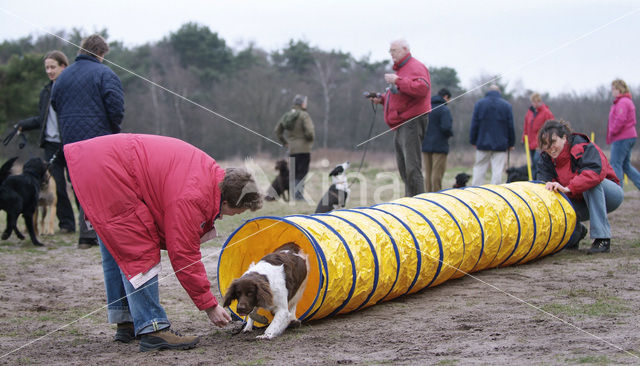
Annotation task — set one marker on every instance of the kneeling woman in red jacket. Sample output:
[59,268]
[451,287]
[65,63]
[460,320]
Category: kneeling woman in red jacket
[575,166]
[144,193]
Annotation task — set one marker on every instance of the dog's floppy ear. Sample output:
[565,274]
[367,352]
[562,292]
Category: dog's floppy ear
[264,297]
[230,295]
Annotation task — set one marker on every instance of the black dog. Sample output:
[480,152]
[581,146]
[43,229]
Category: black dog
[515,174]
[461,180]
[338,192]
[280,185]
[19,195]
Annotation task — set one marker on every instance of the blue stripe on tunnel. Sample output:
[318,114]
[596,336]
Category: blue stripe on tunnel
[417,245]
[376,270]
[457,224]
[393,242]
[515,247]
[479,224]
[349,254]
[535,229]
[550,226]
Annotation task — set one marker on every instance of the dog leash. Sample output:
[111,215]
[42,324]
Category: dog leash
[364,153]
[9,137]
[54,157]
[373,121]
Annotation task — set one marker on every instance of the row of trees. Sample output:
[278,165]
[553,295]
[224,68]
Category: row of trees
[193,86]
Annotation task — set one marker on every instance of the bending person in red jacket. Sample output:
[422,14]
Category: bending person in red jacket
[144,193]
[575,166]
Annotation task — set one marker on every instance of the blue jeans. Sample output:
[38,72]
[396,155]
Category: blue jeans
[598,201]
[621,161]
[126,304]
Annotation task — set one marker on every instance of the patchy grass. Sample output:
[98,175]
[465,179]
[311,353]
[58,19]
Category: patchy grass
[256,362]
[448,362]
[591,360]
[602,307]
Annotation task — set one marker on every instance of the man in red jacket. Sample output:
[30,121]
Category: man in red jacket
[537,114]
[144,193]
[406,104]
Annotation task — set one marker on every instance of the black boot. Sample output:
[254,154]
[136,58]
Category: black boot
[575,245]
[125,333]
[600,246]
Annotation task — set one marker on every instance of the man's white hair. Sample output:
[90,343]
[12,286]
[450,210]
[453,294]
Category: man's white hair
[401,42]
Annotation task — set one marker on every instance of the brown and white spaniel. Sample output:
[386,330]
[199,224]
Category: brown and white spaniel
[275,283]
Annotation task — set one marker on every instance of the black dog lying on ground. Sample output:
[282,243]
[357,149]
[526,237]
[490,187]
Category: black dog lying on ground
[336,196]
[19,195]
[280,185]
[516,174]
[461,180]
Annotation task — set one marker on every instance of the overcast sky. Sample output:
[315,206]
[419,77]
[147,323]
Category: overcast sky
[548,46]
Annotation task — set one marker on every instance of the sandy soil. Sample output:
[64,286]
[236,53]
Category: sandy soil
[569,308]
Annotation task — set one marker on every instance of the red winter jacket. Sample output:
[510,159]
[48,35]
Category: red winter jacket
[414,92]
[622,119]
[143,193]
[580,166]
[533,124]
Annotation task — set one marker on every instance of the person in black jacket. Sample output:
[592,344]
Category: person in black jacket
[89,100]
[54,63]
[435,145]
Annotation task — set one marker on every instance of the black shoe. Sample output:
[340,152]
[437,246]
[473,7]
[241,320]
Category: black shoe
[125,333]
[86,243]
[600,246]
[166,339]
[576,244]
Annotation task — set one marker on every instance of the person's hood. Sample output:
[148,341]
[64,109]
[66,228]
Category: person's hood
[436,99]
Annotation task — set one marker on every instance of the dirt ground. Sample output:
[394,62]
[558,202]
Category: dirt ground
[568,308]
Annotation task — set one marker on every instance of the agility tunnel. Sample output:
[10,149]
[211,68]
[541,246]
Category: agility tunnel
[360,257]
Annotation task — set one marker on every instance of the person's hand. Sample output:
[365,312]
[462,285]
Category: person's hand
[209,235]
[512,147]
[556,187]
[218,315]
[390,78]
[376,100]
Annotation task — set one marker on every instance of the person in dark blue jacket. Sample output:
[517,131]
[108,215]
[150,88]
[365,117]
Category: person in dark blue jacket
[492,134]
[89,101]
[435,145]
[54,63]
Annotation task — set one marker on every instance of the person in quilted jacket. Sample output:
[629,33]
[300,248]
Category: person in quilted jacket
[89,102]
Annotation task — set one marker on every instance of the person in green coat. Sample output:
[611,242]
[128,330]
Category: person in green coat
[296,132]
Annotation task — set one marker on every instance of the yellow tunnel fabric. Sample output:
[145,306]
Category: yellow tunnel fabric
[359,257]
